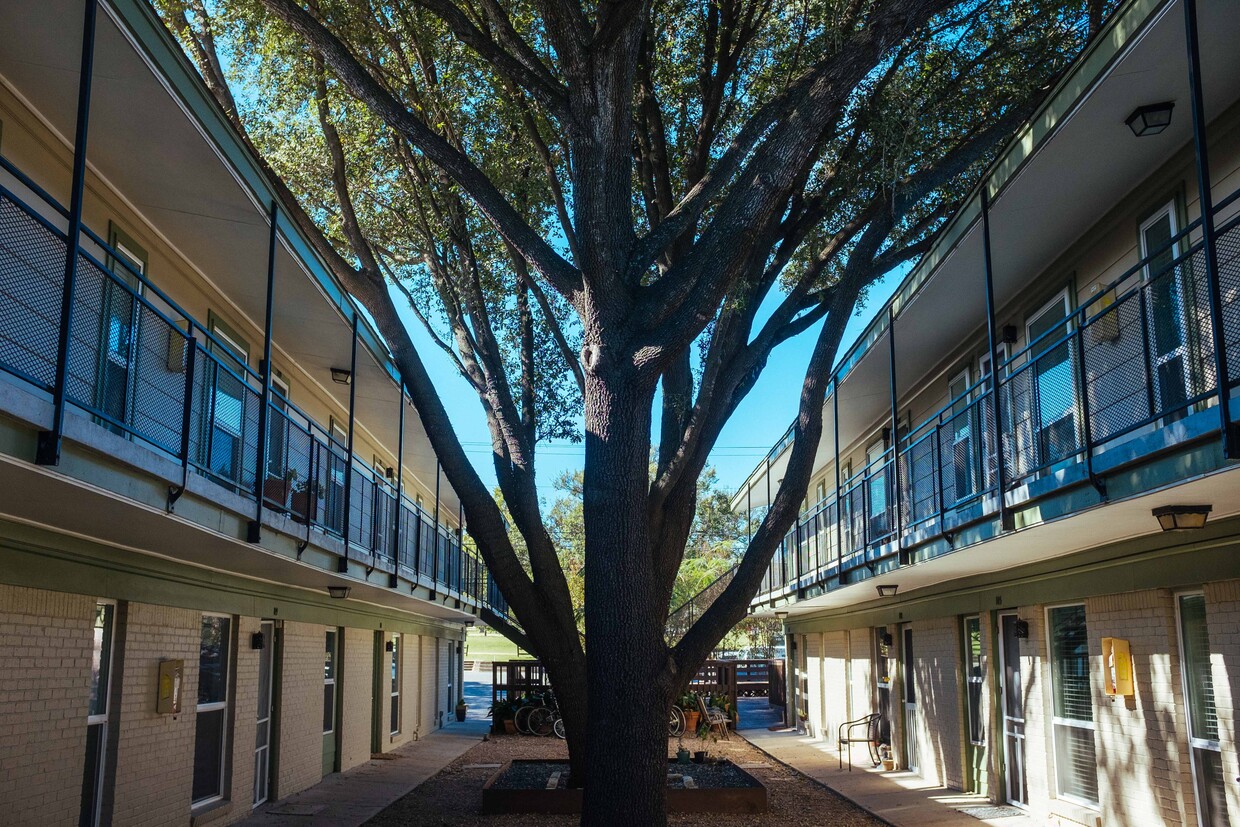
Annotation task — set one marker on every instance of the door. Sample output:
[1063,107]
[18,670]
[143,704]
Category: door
[227,396]
[1203,731]
[1053,384]
[262,725]
[97,716]
[1012,686]
[1166,308]
[909,678]
[331,703]
[975,747]
[882,682]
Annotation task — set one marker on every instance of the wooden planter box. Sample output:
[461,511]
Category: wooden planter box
[496,801]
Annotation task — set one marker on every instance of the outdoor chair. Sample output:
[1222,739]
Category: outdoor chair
[714,717]
[848,736]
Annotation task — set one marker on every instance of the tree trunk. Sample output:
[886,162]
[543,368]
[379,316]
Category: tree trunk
[626,656]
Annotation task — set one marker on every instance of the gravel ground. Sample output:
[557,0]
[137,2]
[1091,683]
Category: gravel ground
[453,798]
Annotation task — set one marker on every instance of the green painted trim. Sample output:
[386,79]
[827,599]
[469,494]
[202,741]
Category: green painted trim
[1156,561]
[37,558]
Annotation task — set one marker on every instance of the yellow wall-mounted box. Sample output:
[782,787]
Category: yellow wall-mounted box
[171,681]
[1116,666]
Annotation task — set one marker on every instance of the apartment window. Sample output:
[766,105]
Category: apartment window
[1053,406]
[1166,305]
[396,682]
[228,394]
[962,445]
[820,492]
[212,713]
[1076,767]
[1203,730]
[97,714]
[116,371]
[879,480]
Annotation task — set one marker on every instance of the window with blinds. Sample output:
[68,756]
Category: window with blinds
[1075,761]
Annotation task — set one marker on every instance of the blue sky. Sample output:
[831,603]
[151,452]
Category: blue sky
[760,420]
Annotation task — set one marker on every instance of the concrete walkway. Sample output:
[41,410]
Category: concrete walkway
[899,798]
[347,799]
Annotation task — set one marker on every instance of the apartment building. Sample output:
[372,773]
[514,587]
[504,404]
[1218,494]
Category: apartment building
[1021,545]
[229,565]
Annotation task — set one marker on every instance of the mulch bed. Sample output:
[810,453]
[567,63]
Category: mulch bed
[453,798]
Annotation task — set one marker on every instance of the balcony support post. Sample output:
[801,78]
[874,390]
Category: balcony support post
[343,563]
[399,510]
[839,497]
[1006,523]
[435,549]
[255,531]
[1228,431]
[47,450]
[898,519]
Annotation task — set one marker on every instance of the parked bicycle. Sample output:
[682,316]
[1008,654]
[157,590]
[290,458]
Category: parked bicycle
[546,720]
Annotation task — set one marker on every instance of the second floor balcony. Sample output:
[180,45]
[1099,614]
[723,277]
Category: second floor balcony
[1130,377]
[142,368]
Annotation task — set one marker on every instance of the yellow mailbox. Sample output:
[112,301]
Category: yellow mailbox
[1116,666]
[171,673]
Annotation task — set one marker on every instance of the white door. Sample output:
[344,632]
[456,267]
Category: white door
[1012,686]
[1167,311]
[909,676]
[1203,729]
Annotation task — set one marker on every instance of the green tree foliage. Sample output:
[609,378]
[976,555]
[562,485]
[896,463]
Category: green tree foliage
[587,204]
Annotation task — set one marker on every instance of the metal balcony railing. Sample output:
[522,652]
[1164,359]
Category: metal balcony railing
[145,369]
[1133,360]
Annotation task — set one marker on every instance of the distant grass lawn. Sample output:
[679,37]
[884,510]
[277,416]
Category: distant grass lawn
[492,647]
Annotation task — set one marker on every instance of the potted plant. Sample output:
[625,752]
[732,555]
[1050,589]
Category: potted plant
[276,486]
[461,709]
[703,732]
[688,703]
[501,715]
[884,755]
[682,754]
[299,503]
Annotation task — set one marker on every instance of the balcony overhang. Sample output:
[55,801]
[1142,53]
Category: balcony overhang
[1104,525]
[160,143]
[1062,175]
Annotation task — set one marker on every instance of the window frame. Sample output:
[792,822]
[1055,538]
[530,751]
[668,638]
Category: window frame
[1059,721]
[219,706]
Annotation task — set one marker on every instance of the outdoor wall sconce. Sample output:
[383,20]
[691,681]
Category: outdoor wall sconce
[1182,517]
[257,641]
[342,376]
[887,590]
[1021,629]
[1151,119]
[339,592]
[1009,334]
[389,646]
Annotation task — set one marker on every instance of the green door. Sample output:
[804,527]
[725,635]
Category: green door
[331,704]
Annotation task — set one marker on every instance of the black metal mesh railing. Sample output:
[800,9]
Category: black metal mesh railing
[1136,357]
[144,369]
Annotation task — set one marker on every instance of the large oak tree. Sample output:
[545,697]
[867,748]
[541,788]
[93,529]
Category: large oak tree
[608,216]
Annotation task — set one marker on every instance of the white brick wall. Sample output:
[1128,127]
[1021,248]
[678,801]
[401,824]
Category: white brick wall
[357,687]
[1144,776]
[155,753]
[940,730]
[46,640]
[299,754]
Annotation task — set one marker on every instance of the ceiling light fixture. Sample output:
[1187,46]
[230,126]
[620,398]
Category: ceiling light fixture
[1182,517]
[342,376]
[887,590]
[339,592]
[1151,119]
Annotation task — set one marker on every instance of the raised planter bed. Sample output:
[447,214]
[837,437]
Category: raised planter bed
[522,786]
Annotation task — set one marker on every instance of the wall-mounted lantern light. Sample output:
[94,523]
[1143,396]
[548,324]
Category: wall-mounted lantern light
[342,376]
[1151,119]
[1181,517]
